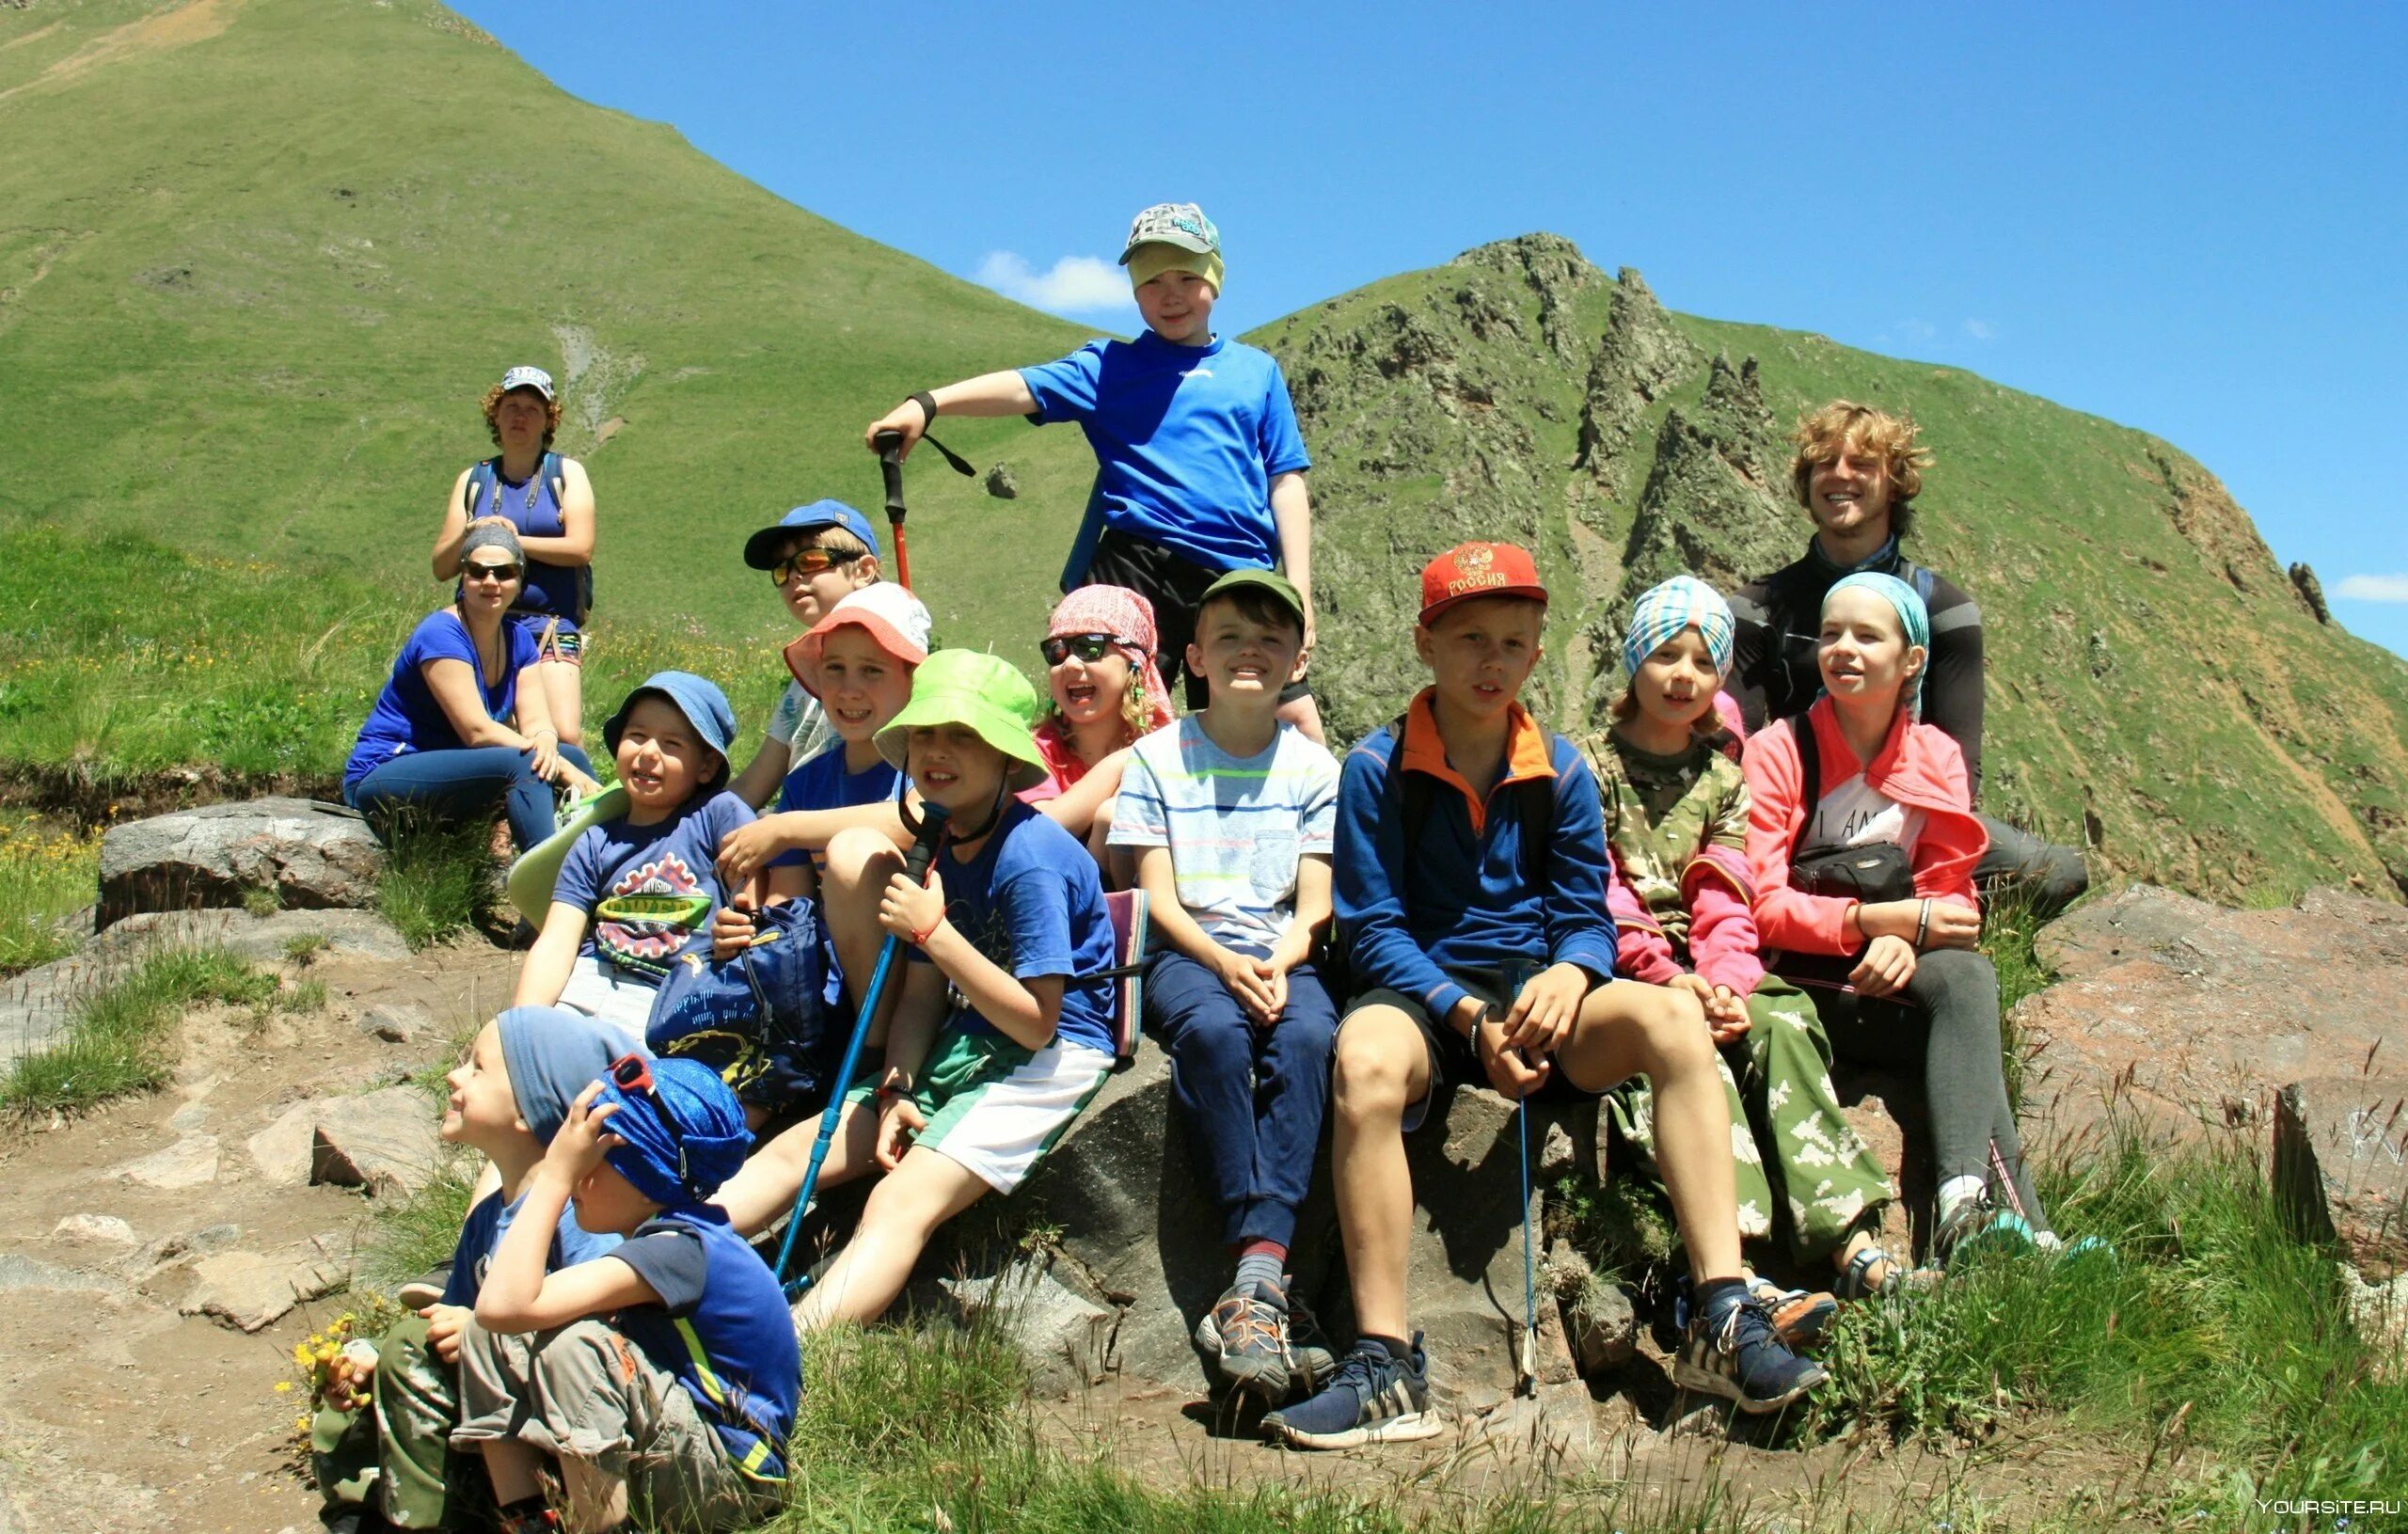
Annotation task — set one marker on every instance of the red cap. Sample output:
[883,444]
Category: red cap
[1469,570]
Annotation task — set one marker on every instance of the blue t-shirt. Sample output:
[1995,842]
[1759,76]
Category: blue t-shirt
[822,784]
[550,591]
[572,1243]
[676,856]
[721,1327]
[1031,901]
[1187,440]
[407,719]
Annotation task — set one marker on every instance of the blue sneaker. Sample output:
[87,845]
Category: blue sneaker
[1373,1398]
[1738,1356]
[1978,1224]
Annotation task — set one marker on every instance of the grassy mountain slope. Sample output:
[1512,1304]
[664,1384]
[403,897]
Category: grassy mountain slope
[260,257]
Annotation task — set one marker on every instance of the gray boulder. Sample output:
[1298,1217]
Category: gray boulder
[250,1290]
[263,940]
[312,855]
[382,1141]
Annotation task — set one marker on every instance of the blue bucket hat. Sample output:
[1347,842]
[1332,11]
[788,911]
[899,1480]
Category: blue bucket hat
[1914,619]
[698,698]
[685,1135]
[761,549]
[552,1054]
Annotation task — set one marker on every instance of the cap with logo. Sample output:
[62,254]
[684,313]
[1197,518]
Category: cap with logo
[534,378]
[1473,570]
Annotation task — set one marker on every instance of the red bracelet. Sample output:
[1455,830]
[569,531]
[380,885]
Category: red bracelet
[920,940]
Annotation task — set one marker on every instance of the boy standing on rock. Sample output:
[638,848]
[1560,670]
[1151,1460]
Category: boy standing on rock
[1471,875]
[1199,467]
[1229,813]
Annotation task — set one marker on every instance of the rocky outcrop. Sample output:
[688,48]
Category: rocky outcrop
[2284,1024]
[302,852]
[1715,504]
[1640,356]
[2311,592]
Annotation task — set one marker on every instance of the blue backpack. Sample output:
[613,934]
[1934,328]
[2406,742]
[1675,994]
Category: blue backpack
[485,478]
[763,1017]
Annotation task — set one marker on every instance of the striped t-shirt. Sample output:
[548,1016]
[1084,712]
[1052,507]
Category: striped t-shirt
[1235,826]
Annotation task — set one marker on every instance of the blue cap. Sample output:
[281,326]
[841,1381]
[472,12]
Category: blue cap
[761,549]
[698,698]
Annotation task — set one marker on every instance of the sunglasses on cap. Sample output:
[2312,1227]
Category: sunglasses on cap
[1087,647]
[490,572]
[807,562]
[633,1073]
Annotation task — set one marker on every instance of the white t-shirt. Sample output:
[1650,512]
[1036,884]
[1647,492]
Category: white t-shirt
[1854,814]
[799,714]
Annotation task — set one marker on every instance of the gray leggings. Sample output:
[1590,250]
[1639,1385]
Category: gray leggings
[1950,1017]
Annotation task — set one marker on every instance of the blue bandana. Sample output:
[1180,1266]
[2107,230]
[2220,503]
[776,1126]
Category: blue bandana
[1913,617]
[1660,614]
[679,1167]
[552,1054]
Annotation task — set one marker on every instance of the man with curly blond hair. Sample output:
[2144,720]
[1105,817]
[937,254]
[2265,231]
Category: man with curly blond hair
[1857,472]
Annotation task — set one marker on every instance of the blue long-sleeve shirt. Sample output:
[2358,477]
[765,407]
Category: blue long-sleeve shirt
[1465,903]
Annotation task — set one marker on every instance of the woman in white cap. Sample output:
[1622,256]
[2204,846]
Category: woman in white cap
[548,502]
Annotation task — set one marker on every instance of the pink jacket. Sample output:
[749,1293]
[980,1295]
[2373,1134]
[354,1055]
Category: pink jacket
[1918,765]
[1723,945]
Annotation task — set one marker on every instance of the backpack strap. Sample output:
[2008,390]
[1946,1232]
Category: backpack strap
[1810,776]
[482,475]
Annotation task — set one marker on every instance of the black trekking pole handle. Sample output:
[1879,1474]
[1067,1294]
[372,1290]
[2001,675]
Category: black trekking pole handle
[890,467]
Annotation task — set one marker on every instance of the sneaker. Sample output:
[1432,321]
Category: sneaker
[1800,1317]
[1741,1358]
[1373,1398]
[1245,1336]
[426,1289]
[1311,1358]
[1978,1224]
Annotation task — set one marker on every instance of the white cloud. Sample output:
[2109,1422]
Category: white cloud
[1981,330]
[1076,284]
[2373,588]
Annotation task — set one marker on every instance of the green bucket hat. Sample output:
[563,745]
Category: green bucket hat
[983,692]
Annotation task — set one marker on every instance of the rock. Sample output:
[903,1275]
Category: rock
[36,1006]
[261,940]
[2311,592]
[312,855]
[1640,356]
[284,1150]
[1063,1335]
[1002,484]
[249,1291]
[98,1229]
[382,1141]
[396,1024]
[2185,1017]
[190,1162]
[199,1243]
[2380,1312]
[1555,1419]
[25,1273]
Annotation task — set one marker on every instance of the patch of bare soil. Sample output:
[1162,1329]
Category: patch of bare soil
[117,1411]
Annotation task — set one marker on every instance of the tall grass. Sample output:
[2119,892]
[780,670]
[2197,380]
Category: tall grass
[437,883]
[116,1042]
[45,876]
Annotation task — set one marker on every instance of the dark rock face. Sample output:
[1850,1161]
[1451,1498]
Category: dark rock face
[2285,1023]
[1716,503]
[1640,357]
[2311,592]
[310,854]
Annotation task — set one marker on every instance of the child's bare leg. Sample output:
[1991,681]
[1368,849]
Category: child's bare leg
[1628,1029]
[860,863]
[765,1187]
[924,1193]
[1382,1066]
[514,1469]
[597,1501]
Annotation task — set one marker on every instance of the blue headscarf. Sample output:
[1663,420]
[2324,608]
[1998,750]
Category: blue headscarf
[1913,617]
[1660,614]
[709,1131]
[552,1054]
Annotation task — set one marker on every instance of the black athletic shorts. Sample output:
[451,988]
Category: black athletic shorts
[1451,1058]
[1173,584]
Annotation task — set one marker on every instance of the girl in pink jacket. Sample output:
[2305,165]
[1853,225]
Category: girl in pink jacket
[1862,848]
[1676,819]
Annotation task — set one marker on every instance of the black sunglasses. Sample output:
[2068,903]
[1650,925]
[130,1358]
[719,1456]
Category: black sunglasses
[490,572]
[807,562]
[633,1073]
[1087,647]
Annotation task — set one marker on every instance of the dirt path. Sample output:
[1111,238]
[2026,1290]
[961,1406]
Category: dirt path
[117,1411]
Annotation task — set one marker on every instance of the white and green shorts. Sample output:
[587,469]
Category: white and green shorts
[997,1107]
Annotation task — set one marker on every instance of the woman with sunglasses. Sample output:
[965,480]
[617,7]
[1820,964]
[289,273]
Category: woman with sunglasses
[548,501]
[1098,652]
[464,723]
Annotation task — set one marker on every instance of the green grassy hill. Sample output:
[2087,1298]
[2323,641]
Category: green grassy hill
[261,257]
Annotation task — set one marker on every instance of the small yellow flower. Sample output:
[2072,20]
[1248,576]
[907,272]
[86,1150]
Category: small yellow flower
[283,1387]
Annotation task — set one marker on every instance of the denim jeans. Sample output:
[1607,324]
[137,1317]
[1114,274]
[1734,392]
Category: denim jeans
[452,787]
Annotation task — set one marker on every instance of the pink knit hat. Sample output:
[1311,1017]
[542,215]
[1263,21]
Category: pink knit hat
[1129,617]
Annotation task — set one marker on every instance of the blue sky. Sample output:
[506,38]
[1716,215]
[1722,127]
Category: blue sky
[2188,218]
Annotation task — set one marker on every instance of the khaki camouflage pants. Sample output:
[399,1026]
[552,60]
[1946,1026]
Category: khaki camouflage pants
[395,1455]
[1781,1100]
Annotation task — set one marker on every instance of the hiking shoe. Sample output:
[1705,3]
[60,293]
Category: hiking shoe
[1740,1358]
[1373,1398]
[426,1289]
[1245,1336]
[1800,1317]
[1978,1224]
[1311,1358]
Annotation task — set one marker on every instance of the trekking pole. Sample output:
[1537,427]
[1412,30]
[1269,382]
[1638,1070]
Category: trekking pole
[1526,1361]
[890,467]
[923,852]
